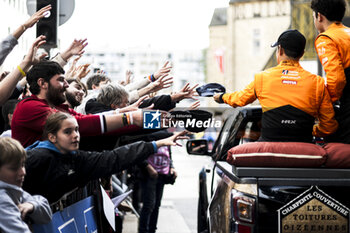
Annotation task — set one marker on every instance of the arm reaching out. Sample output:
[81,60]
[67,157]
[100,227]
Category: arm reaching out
[164,71]
[76,48]
[31,21]
[172,141]
[11,40]
[186,92]
[161,83]
[9,83]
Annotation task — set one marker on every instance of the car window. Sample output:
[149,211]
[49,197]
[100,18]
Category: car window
[240,127]
[230,139]
[250,132]
[224,133]
[242,131]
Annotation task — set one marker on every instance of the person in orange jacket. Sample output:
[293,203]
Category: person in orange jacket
[333,49]
[291,97]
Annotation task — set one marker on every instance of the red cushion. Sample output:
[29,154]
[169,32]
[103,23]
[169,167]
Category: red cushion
[338,155]
[277,154]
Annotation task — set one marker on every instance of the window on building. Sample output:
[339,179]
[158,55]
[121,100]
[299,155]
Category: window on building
[256,41]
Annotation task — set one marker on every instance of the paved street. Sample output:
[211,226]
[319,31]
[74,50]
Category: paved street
[178,213]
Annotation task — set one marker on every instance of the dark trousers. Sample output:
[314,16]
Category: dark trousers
[152,193]
[342,115]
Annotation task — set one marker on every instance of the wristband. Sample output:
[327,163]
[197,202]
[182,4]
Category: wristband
[155,147]
[128,118]
[24,27]
[151,78]
[21,71]
[125,119]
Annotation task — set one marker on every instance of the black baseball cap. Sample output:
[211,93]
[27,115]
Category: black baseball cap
[210,89]
[291,40]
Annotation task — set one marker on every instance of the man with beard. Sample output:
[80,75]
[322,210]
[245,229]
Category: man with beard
[75,93]
[48,86]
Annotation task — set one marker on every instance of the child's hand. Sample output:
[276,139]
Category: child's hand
[25,208]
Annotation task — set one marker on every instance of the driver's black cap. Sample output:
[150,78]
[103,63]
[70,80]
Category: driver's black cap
[291,40]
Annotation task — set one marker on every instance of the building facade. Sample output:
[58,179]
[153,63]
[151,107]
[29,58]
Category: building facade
[240,39]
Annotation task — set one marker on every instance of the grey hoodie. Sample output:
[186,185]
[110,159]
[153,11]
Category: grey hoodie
[10,216]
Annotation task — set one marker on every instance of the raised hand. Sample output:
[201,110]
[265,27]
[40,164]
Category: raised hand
[37,16]
[82,71]
[31,58]
[8,84]
[162,83]
[76,48]
[128,75]
[187,92]
[73,68]
[162,71]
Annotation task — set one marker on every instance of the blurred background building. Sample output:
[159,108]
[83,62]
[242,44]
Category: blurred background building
[188,65]
[241,35]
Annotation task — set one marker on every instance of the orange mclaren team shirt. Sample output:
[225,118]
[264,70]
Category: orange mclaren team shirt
[333,49]
[291,99]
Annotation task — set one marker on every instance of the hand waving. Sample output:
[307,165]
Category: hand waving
[162,71]
[162,83]
[187,92]
[37,16]
[31,58]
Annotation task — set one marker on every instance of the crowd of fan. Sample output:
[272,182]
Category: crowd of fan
[54,111]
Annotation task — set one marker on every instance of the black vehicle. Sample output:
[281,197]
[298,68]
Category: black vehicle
[266,199]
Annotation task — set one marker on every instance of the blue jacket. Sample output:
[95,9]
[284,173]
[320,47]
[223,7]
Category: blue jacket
[10,216]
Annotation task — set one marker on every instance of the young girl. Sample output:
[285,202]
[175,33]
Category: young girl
[17,205]
[56,166]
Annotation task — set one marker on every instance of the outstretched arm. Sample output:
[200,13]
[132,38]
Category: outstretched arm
[31,21]
[161,83]
[238,98]
[187,92]
[172,141]
[9,83]
[75,48]
[164,71]
[137,85]
[11,40]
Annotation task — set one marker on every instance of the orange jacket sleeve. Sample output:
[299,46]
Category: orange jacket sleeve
[327,123]
[329,56]
[241,98]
